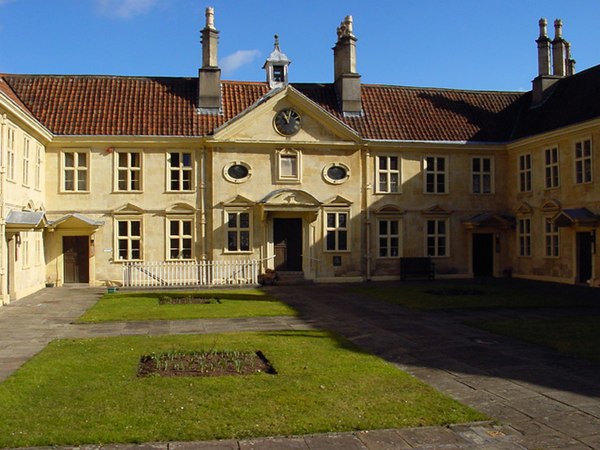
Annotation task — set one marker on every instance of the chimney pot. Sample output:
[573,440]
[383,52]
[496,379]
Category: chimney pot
[543,30]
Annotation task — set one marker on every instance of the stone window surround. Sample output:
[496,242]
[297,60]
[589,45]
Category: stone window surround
[432,175]
[478,177]
[77,170]
[388,173]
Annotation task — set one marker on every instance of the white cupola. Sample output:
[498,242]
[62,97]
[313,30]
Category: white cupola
[276,67]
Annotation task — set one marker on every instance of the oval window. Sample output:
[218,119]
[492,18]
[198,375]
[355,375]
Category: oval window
[336,173]
[237,172]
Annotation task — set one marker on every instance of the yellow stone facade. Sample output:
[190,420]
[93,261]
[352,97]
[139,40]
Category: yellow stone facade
[323,201]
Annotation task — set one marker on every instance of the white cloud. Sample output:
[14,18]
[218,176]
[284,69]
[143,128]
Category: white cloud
[231,63]
[124,9]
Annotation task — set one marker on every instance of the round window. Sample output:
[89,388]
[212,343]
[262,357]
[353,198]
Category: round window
[336,173]
[237,172]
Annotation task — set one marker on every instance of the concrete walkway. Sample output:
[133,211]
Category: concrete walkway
[541,399]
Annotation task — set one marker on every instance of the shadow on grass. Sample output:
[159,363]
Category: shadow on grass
[424,338]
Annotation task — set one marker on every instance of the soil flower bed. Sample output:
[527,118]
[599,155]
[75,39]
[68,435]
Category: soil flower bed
[188,300]
[204,363]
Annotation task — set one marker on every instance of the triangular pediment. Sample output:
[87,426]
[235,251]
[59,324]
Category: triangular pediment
[437,210]
[524,208]
[391,210]
[256,123]
[180,208]
[128,208]
[550,205]
[238,200]
[338,200]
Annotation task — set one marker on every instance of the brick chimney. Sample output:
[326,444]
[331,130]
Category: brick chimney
[346,80]
[209,75]
[554,61]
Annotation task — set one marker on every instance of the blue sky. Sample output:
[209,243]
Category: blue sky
[467,44]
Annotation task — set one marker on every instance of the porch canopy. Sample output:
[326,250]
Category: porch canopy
[576,217]
[488,220]
[23,221]
[77,221]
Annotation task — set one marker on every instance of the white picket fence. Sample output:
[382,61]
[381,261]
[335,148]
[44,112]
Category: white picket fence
[201,273]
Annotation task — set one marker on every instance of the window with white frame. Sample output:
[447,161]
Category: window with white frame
[180,238]
[289,165]
[551,238]
[336,231]
[26,156]
[436,174]
[389,238]
[38,248]
[238,231]
[129,170]
[583,161]
[129,239]
[10,154]
[524,236]
[181,171]
[388,174]
[525,173]
[482,175]
[25,249]
[437,237]
[38,166]
[551,166]
[75,171]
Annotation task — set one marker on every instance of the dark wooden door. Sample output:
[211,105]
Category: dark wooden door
[483,254]
[584,257]
[76,256]
[287,236]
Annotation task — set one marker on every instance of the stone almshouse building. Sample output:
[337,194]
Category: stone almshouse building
[335,181]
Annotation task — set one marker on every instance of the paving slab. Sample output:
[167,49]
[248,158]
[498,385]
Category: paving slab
[539,398]
[383,440]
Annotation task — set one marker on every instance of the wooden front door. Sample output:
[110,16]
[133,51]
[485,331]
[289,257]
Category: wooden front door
[76,255]
[287,237]
[483,254]
[584,256]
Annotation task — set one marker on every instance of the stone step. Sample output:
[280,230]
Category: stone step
[291,278]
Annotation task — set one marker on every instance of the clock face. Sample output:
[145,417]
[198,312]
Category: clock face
[287,122]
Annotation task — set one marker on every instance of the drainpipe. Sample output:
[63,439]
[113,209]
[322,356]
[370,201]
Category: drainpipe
[202,189]
[3,254]
[366,209]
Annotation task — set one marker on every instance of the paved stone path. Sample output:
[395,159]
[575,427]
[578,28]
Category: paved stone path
[541,399]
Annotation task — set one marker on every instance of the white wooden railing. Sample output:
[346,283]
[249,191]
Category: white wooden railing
[201,273]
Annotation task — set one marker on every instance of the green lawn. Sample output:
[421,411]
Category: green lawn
[575,336]
[86,391]
[497,293]
[145,306]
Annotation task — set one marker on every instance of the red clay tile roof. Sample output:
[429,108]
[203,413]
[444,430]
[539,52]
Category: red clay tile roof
[6,89]
[137,106]
[572,100]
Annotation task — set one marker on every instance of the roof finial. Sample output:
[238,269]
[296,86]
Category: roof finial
[276,42]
